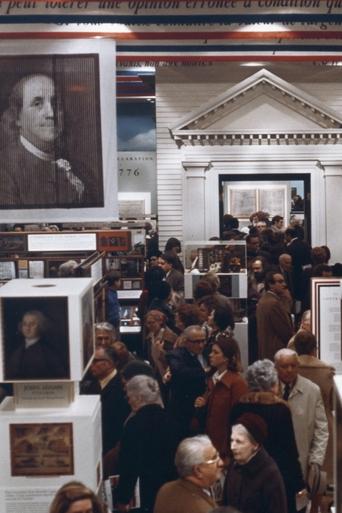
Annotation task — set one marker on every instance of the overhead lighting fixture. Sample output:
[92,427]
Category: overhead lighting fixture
[253,64]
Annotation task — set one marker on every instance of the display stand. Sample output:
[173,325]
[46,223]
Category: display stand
[326,319]
[338,444]
[46,426]
[228,260]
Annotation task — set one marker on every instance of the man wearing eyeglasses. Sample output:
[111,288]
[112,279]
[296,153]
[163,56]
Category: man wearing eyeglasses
[199,466]
[187,365]
[107,383]
[274,326]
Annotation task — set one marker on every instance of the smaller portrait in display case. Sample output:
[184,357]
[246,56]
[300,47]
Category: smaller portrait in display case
[35,340]
[41,449]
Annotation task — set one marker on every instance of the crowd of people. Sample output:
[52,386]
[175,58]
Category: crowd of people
[199,433]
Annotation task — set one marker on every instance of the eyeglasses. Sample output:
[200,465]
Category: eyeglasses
[96,360]
[197,341]
[214,460]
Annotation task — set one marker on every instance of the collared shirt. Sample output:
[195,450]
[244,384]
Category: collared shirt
[42,155]
[104,382]
[30,341]
[217,377]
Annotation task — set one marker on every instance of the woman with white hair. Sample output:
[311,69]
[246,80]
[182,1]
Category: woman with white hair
[253,482]
[262,400]
[147,447]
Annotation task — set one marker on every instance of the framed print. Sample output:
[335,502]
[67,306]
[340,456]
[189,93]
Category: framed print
[41,449]
[12,243]
[242,202]
[134,204]
[114,240]
[326,319]
[35,338]
[7,270]
[57,127]
[273,200]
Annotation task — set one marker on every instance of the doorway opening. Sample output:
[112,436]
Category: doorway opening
[284,194]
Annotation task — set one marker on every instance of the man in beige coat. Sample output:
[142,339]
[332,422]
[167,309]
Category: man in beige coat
[306,405]
[199,466]
[322,374]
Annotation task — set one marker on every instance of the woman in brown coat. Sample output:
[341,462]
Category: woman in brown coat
[224,388]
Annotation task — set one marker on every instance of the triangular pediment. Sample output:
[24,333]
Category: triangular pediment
[261,107]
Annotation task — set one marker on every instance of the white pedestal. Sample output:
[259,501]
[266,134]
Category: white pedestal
[41,450]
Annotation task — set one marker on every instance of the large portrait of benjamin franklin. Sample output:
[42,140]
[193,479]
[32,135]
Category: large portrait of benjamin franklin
[50,132]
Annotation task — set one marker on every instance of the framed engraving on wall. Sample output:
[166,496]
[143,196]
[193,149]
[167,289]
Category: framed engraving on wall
[273,200]
[242,202]
[41,449]
[35,338]
[57,155]
[7,270]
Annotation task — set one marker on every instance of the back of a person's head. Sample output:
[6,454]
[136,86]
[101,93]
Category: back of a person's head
[189,314]
[291,232]
[318,255]
[137,368]
[230,222]
[261,375]
[224,316]
[203,288]
[171,243]
[162,290]
[305,342]
[170,258]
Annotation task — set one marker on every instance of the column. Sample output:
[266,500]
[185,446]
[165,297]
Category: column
[194,200]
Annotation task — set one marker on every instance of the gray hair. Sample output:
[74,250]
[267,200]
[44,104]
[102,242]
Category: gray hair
[190,453]
[67,268]
[261,375]
[286,352]
[144,389]
[42,320]
[107,326]
[192,329]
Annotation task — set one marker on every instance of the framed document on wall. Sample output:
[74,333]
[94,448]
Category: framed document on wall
[272,200]
[242,202]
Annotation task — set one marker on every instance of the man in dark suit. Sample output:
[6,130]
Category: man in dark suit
[301,257]
[34,168]
[175,278]
[188,381]
[274,324]
[107,383]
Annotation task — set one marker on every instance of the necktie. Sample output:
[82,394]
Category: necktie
[286,393]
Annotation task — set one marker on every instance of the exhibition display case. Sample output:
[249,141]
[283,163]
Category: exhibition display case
[44,448]
[228,261]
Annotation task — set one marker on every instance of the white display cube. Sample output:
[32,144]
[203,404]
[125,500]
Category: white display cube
[41,450]
[46,329]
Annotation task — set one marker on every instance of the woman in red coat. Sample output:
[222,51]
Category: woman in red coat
[224,389]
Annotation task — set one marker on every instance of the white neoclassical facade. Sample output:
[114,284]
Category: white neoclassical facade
[262,124]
